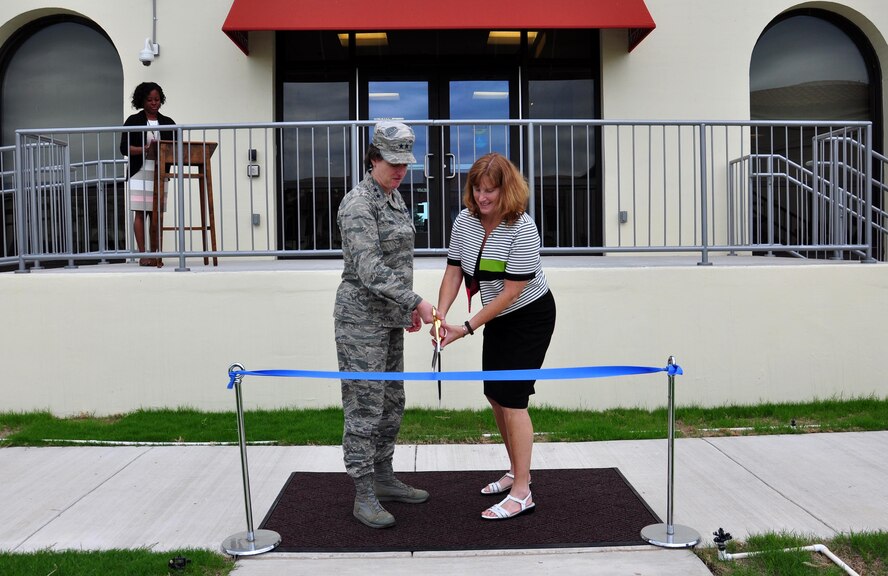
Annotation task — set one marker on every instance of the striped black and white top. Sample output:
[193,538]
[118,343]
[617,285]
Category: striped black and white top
[512,252]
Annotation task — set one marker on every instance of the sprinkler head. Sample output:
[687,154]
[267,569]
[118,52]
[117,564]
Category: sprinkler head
[721,537]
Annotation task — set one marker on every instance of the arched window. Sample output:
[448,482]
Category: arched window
[59,72]
[64,72]
[811,65]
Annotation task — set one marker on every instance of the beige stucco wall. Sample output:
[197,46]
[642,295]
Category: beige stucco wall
[695,64]
[112,342]
[204,74]
[693,67]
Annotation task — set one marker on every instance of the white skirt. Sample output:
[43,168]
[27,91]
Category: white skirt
[141,185]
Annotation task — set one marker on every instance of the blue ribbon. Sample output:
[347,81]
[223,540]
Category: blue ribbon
[539,374]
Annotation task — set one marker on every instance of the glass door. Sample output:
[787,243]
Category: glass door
[463,143]
[444,152]
[405,101]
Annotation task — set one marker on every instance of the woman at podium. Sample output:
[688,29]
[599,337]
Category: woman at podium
[141,148]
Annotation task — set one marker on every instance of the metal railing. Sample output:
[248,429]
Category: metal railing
[8,244]
[828,201]
[803,189]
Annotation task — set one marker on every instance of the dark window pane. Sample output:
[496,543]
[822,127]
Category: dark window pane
[567,190]
[315,164]
[42,64]
[563,45]
[418,43]
[62,73]
[312,46]
[562,98]
[803,67]
[793,76]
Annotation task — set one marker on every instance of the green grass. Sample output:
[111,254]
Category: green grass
[427,426]
[866,553]
[130,562]
[833,415]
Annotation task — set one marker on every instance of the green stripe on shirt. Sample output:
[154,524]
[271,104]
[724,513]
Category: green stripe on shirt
[488,265]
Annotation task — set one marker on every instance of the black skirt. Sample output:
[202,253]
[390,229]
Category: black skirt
[517,341]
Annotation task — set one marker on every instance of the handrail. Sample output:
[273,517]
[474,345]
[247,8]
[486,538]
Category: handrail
[658,175]
[807,187]
[839,135]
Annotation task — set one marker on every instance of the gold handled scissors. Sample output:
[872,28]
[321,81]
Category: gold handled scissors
[436,354]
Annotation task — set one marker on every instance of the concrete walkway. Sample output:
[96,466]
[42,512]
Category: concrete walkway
[170,497]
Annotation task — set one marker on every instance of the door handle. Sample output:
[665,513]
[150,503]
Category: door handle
[452,166]
[425,167]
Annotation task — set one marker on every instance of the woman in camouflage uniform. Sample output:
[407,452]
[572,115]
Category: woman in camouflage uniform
[375,302]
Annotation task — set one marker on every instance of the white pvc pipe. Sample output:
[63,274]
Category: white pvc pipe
[723,555]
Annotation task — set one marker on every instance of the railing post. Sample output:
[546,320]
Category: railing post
[35,215]
[704,219]
[357,173]
[68,209]
[771,208]
[101,210]
[531,172]
[20,204]
[180,199]
[837,191]
[669,535]
[868,192]
[732,235]
[816,195]
[252,541]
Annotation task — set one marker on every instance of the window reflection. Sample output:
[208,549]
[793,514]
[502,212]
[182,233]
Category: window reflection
[315,164]
[68,74]
[94,90]
[468,75]
[565,158]
[805,67]
[478,99]
[403,101]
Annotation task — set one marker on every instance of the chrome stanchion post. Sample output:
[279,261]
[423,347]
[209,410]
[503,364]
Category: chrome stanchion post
[669,535]
[252,541]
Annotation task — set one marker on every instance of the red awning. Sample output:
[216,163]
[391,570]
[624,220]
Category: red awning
[381,15]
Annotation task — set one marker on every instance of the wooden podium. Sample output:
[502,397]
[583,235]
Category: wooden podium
[197,156]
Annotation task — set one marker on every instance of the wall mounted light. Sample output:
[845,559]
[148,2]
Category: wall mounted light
[509,37]
[365,39]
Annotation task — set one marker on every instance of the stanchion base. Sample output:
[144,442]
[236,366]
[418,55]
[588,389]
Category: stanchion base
[681,537]
[240,544]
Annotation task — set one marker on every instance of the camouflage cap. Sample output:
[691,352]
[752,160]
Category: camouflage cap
[395,142]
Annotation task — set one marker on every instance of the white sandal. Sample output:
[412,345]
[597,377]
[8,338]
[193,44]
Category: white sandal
[501,513]
[497,487]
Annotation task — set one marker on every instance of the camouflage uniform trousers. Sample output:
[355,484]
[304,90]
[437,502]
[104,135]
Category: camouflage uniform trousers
[372,408]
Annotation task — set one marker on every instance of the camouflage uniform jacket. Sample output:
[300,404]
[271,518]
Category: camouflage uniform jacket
[377,248]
